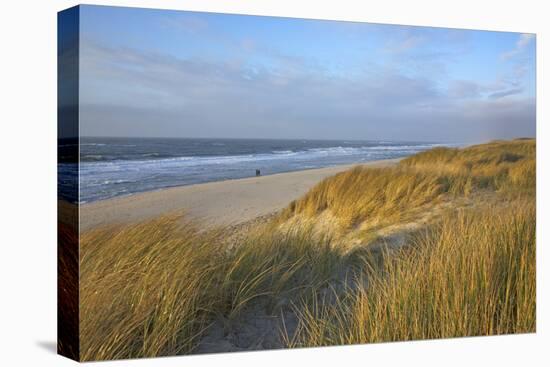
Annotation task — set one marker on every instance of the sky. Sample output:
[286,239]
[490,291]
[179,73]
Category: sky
[159,73]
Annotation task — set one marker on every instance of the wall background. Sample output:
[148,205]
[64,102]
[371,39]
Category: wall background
[28,180]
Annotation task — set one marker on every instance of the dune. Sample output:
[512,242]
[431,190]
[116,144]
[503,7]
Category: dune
[324,270]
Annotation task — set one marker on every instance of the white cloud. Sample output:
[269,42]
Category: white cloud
[131,93]
[471,90]
[523,41]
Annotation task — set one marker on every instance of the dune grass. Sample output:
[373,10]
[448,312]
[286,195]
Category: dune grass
[151,289]
[154,288]
[277,264]
[145,289]
[353,196]
[388,195]
[496,166]
[471,274]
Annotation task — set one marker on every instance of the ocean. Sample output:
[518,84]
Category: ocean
[111,167]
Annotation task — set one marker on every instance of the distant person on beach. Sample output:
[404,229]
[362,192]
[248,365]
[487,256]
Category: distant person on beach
[258,173]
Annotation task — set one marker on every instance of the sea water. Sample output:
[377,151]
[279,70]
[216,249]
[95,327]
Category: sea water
[111,167]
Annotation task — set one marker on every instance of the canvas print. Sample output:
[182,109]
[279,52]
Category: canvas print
[234,182]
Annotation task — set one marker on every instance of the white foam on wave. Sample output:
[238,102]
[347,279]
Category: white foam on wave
[104,179]
[286,155]
[283,152]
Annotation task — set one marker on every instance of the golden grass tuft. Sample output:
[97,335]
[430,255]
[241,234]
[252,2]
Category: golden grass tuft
[145,289]
[493,166]
[151,289]
[388,195]
[274,264]
[471,274]
[385,194]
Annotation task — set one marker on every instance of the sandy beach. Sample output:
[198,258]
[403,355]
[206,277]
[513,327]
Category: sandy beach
[217,203]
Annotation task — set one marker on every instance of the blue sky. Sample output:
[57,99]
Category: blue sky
[171,73]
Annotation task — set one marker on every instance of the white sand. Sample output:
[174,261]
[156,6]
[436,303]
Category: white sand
[218,203]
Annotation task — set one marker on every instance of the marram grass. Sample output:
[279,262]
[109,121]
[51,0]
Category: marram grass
[155,288]
[152,289]
[390,194]
[473,273]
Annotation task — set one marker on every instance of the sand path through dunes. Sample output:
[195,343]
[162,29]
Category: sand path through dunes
[218,203]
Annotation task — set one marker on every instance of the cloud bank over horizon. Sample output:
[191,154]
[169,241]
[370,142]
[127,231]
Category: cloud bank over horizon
[151,73]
